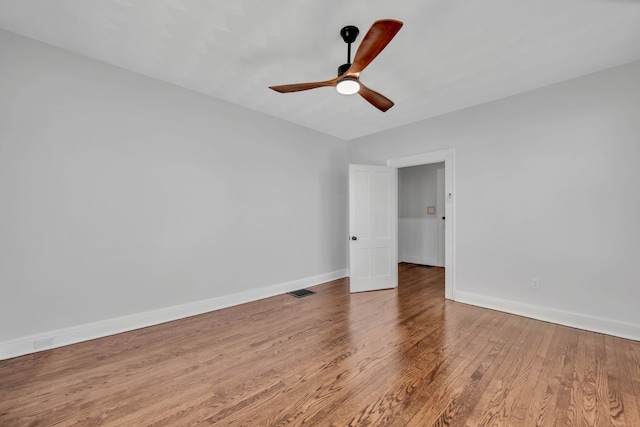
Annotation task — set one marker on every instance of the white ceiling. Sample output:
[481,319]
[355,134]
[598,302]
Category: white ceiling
[449,55]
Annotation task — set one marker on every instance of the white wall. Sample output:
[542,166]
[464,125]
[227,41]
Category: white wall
[548,186]
[418,231]
[122,195]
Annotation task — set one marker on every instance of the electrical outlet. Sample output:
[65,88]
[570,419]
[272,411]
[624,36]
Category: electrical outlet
[45,342]
[535,283]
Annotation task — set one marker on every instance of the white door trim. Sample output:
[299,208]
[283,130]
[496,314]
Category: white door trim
[448,157]
[440,214]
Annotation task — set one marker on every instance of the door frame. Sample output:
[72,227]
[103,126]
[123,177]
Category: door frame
[448,157]
[441,205]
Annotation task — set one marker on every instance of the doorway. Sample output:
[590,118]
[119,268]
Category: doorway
[447,157]
[421,214]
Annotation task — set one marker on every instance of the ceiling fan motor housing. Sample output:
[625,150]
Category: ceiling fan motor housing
[343,69]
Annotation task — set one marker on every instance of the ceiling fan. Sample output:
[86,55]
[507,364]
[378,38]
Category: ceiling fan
[348,80]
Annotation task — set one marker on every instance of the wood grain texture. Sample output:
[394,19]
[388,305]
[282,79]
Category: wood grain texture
[402,357]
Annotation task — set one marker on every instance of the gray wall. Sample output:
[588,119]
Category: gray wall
[120,194]
[417,189]
[547,186]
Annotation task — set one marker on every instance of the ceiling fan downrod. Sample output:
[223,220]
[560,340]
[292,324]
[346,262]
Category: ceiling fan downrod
[349,35]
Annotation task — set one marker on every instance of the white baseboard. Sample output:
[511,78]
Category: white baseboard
[90,331]
[417,260]
[566,318]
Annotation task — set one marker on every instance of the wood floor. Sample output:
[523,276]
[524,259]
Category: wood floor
[402,357]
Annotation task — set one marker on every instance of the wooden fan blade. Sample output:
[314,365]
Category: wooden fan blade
[376,99]
[378,37]
[297,87]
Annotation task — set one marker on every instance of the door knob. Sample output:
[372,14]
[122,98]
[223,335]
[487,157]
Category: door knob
[354,238]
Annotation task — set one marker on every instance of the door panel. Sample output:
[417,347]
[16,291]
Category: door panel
[373,224]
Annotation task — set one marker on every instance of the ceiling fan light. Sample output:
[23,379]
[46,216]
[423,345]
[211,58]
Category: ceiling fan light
[348,86]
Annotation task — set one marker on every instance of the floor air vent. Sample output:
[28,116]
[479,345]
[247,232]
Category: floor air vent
[301,293]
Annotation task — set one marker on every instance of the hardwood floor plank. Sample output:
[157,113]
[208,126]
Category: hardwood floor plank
[602,382]
[541,411]
[627,355]
[403,357]
[534,368]
[565,410]
[583,388]
[633,358]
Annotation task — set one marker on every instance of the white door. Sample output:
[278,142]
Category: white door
[373,214]
[440,216]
